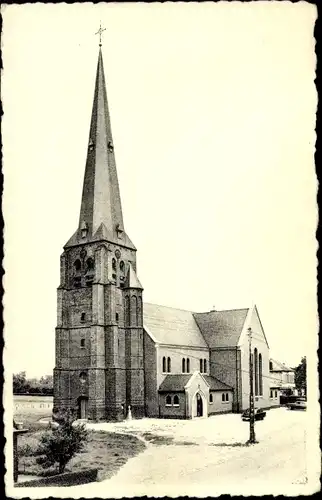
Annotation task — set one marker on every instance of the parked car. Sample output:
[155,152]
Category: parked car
[300,404]
[259,414]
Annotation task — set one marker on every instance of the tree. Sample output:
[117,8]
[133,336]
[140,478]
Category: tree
[23,385]
[61,444]
[19,382]
[300,375]
[46,384]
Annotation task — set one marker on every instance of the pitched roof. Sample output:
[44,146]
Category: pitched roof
[175,382]
[178,383]
[221,328]
[215,384]
[280,367]
[172,326]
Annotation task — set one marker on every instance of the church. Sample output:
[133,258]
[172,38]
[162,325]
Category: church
[113,352]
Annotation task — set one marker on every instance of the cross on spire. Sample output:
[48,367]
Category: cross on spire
[99,32]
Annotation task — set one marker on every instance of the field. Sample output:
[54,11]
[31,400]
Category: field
[106,451]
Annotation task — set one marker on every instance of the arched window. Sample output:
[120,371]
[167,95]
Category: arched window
[201,365]
[122,266]
[83,317]
[205,366]
[113,264]
[176,400]
[183,365]
[83,377]
[127,310]
[270,366]
[164,364]
[90,264]
[169,365]
[256,371]
[223,397]
[227,396]
[168,401]
[140,311]
[211,399]
[188,365]
[260,374]
[134,310]
[77,265]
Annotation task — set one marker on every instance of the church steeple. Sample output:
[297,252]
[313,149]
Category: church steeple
[101,211]
[99,335]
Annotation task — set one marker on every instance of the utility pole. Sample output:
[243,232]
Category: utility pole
[252,437]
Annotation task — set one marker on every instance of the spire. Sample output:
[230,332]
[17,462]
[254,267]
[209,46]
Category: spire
[101,211]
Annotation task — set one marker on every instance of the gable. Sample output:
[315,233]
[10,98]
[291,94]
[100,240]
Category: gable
[253,321]
[170,326]
[222,328]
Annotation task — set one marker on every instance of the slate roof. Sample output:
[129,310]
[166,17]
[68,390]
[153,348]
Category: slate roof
[172,326]
[215,384]
[175,382]
[101,209]
[221,328]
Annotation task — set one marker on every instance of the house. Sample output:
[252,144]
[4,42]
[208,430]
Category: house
[112,350]
[282,381]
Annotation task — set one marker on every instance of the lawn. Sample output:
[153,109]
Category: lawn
[106,451]
[31,418]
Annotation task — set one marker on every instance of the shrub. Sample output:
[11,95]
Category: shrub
[61,444]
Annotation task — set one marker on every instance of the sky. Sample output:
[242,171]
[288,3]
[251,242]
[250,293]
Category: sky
[213,115]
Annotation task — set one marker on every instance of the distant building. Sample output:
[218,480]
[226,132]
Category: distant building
[282,381]
[113,351]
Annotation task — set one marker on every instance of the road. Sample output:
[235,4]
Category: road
[219,460]
[208,457]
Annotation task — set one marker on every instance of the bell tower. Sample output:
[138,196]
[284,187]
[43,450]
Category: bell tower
[99,369]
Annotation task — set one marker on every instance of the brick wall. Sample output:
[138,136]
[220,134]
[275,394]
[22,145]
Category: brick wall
[150,369]
[225,365]
[172,411]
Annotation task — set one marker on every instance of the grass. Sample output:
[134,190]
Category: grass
[31,419]
[165,440]
[107,452]
[158,440]
[229,445]
[185,443]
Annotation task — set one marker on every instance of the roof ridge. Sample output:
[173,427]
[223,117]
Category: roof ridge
[194,312]
[169,307]
[225,310]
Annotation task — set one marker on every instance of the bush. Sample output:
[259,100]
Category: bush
[61,444]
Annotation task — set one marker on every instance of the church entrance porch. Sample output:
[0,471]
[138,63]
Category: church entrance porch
[83,408]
